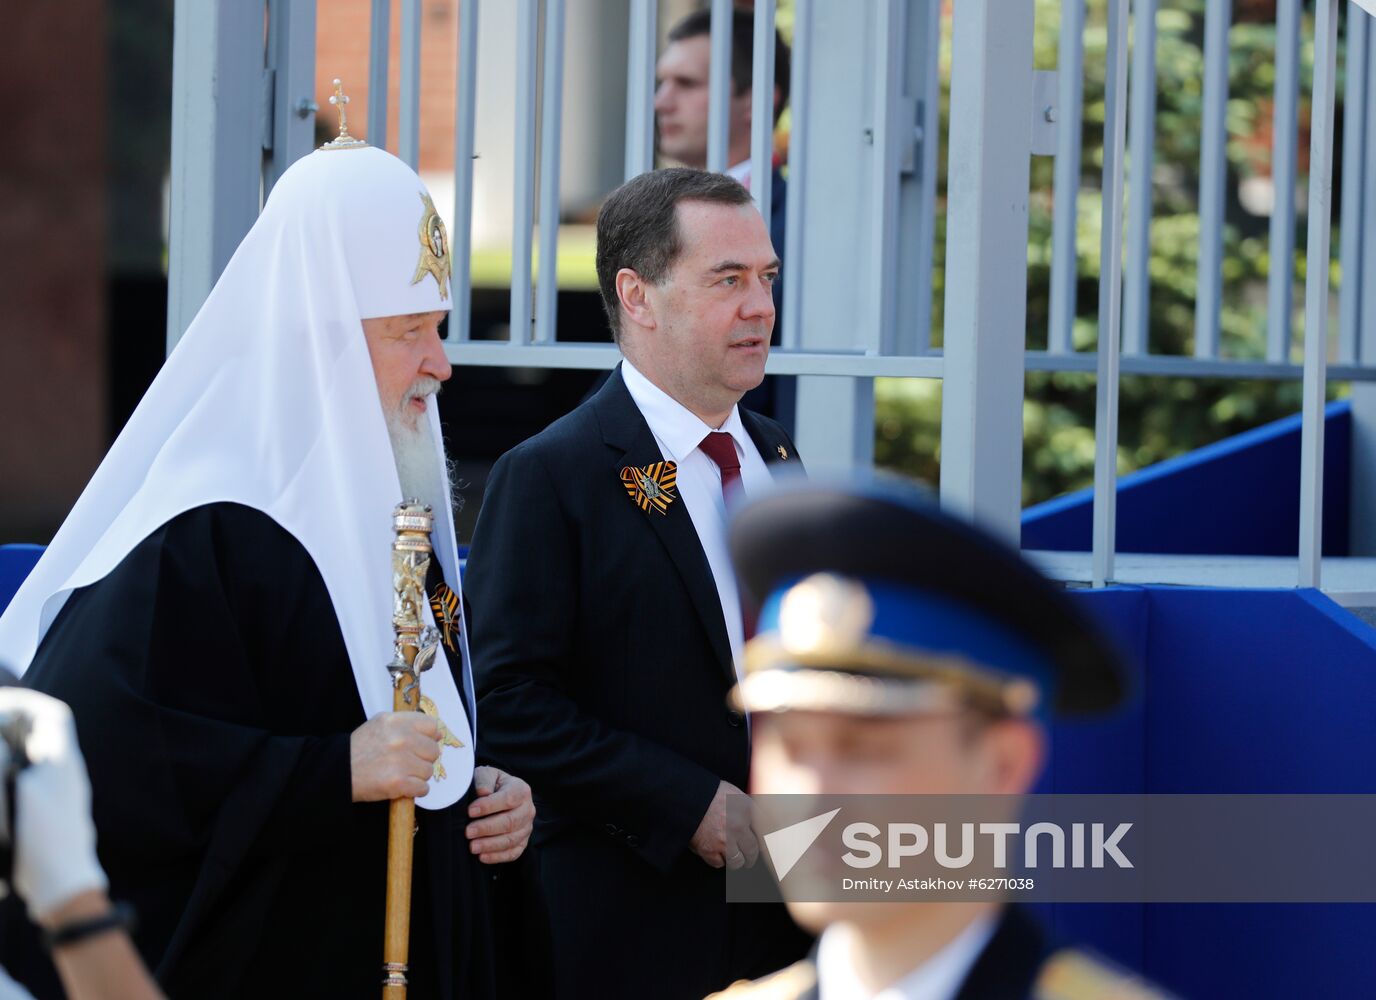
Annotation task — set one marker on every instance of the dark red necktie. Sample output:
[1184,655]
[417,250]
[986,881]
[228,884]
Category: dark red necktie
[720,448]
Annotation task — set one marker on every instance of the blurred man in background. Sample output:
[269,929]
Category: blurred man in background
[682,101]
[681,116]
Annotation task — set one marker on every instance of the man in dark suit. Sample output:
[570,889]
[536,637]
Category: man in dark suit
[606,617]
[903,653]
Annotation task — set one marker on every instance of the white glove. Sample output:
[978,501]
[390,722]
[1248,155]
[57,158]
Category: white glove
[54,838]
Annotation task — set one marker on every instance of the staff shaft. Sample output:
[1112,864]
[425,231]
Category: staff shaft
[401,826]
[412,522]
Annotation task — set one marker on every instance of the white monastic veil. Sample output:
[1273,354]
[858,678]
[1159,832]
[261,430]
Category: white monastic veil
[269,400]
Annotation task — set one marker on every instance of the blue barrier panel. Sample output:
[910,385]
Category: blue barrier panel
[1260,691]
[1239,496]
[15,562]
[1240,691]
[1105,755]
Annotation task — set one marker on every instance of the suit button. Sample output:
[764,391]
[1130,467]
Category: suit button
[734,718]
[632,840]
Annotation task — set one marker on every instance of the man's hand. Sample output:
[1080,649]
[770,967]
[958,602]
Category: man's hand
[54,838]
[724,836]
[503,816]
[392,755]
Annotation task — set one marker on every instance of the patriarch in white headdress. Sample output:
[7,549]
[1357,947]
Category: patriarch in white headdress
[276,399]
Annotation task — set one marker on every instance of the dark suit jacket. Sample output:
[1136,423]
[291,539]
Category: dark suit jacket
[602,665]
[776,396]
[1017,964]
[778,210]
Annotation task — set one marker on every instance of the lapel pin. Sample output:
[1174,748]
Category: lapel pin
[783,453]
[651,487]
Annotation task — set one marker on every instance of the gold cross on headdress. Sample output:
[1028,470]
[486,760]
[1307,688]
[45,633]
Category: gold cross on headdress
[344,140]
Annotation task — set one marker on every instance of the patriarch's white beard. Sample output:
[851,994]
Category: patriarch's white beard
[422,472]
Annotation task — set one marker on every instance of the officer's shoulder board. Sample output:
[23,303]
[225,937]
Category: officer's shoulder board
[1071,974]
[786,984]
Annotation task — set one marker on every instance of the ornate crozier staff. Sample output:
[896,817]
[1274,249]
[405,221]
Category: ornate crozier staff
[413,652]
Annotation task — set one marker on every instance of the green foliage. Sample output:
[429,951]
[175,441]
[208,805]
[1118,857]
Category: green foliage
[1159,417]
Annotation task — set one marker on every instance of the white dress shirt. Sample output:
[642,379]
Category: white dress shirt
[10,990]
[741,172]
[938,978]
[678,432]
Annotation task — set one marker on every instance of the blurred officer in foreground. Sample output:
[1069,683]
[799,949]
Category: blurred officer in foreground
[48,853]
[901,652]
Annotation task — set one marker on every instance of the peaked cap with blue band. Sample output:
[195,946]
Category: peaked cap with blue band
[872,585]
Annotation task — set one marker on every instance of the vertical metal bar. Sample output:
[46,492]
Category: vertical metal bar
[408,113]
[988,174]
[1351,250]
[1110,301]
[1280,297]
[291,51]
[834,415]
[880,302]
[217,150]
[1366,309]
[465,121]
[1316,293]
[1142,156]
[762,109]
[794,215]
[640,88]
[719,88]
[379,51]
[1356,306]
[1212,176]
[929,122]
[1064,263]
[522,238]
[551,116]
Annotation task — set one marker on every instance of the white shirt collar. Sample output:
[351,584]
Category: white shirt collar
[938,978]
[678,429]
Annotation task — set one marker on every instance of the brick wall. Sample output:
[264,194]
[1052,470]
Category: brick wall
[52,261]
[342,42]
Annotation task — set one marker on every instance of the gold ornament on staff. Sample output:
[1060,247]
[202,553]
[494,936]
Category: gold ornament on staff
[414,650]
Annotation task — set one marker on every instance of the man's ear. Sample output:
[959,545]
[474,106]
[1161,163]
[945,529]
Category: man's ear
[1015,750]
[631,292]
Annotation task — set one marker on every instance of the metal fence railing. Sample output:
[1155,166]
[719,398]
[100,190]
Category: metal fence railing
[897,178]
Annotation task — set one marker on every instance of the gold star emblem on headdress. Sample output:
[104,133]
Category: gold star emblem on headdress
[434,248]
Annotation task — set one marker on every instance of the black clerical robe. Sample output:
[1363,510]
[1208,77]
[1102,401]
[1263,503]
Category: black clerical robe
[214,700]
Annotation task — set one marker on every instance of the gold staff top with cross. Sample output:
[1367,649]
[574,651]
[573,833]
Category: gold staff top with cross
[343,140]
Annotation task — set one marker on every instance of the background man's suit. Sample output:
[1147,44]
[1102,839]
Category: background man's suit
[777,395]
[602,665]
